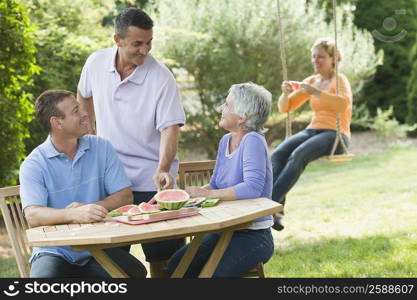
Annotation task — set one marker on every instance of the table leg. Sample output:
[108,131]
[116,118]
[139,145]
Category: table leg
[108,264]
[216,255]
[188,256]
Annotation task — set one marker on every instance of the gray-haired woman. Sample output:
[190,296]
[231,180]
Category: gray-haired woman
[243,171]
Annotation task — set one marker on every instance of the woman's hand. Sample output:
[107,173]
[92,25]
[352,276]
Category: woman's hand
[195,191]
[286,87]
[309,89]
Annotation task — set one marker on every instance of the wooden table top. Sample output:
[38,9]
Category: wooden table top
[224,215]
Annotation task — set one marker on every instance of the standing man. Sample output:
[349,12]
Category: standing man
[134,101]
[72,178]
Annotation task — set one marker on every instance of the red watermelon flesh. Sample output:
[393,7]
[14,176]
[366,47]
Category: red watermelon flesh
[295,84]
[172,195]
[125,208]
[134,210]
[147,208]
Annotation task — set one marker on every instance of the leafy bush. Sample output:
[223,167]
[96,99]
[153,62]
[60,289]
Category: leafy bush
[387,127]
[361,118]
[17,65]
[412,89]
[389,20]
[219,43]
[68,32]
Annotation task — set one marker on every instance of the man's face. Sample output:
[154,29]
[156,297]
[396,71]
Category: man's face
[135,46]
[75,122]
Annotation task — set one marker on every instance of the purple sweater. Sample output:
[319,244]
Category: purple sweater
[248,169]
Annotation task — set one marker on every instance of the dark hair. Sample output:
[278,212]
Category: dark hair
[46,106]
[132,17]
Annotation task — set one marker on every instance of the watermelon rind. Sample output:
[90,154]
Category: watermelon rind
[172,205]
[153,209]
[114,213]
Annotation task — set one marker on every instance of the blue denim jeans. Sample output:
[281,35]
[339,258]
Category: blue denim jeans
[291,157]
[247,248]
[48,265]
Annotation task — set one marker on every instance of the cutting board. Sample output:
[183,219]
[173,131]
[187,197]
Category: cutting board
[159,216]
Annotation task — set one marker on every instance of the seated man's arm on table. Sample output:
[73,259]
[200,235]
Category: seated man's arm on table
[41,215]
[77,212]
[88,105]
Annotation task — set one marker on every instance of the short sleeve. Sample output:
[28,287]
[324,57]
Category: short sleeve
[84,84]
[169,110]
[32,187]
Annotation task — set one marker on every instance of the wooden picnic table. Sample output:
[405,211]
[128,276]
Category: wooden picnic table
[226,217]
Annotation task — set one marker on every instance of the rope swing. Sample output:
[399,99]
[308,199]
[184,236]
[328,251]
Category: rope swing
[334,158]
[288,124]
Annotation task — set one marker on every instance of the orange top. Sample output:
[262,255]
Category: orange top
[327,105]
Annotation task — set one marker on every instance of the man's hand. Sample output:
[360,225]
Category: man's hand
[87,213]
[163,180]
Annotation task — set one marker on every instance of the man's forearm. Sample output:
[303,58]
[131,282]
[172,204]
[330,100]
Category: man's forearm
[118,199]
[88,105]
[39,215]
[168,147]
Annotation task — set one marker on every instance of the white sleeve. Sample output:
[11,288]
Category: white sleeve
[84,85]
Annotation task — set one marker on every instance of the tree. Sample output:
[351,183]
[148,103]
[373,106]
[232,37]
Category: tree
[412,88]
[68,31]
[219,43]
[17,65]
[393,24]
[119,5]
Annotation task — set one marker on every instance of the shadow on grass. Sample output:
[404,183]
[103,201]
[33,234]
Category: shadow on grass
[376,256]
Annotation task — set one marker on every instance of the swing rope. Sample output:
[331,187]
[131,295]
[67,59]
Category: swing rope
[288,124]
[336,65]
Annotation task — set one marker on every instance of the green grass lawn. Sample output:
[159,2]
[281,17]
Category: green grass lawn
[8,268]
[351,220]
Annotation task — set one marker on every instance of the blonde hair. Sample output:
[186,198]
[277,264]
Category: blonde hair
[328,46]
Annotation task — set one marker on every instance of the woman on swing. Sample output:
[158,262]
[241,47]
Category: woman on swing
[291,157]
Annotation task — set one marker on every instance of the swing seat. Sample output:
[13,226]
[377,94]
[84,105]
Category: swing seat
[338,158]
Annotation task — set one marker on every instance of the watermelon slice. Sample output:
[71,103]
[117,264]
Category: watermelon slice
[147,208]
[172,198]
[134,210]
[295,84]
[122,210]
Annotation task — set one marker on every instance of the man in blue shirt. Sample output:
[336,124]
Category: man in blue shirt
[72,178]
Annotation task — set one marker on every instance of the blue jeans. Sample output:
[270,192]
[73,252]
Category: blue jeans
[156,251]
[291,157]
[48,265]
[247,248]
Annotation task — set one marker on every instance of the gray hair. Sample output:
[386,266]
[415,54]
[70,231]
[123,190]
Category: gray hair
[132,17]
[253,102]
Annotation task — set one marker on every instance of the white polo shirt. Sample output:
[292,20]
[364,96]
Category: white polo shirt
[131,113]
